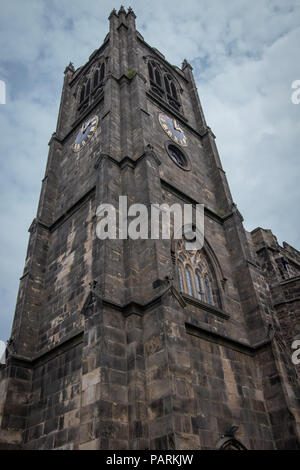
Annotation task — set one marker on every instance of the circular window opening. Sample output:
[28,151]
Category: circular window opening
[178,156]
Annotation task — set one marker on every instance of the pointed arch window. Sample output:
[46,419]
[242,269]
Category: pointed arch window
[155,78]
[196,275]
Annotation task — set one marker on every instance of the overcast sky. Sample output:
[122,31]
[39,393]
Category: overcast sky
[245,56]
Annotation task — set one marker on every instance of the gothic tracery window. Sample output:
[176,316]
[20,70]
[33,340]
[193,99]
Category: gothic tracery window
[196,275]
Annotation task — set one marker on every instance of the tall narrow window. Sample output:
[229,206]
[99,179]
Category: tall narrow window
[157,77]
[82,94]
[96,78]
[167,85]
[150,70]
[207,291]
[189,281]
[170,87]
[173,91]
[102,72]
[198,285]
[88,88]
[180,279]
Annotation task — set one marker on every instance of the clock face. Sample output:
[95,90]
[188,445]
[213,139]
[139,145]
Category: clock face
[85,133]
[172,129]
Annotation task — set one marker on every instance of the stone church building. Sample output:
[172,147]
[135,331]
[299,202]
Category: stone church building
[143,344]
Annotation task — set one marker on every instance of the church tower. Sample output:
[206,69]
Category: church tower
[141,344]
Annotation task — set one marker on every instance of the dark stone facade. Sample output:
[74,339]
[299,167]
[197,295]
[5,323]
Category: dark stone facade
[102,355]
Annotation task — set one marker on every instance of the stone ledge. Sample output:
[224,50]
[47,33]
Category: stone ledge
[45,356]
[226,341]
[204,306]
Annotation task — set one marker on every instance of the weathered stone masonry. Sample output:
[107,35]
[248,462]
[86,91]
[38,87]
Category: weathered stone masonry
[109,349]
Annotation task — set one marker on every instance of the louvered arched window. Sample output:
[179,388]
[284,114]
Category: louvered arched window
[163,84]
[155,77]
[170,87]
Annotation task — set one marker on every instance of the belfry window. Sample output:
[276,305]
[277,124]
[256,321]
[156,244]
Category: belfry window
[155,77]
[196,275]
[94,81]
[99,74]
[163,84]
[170,87]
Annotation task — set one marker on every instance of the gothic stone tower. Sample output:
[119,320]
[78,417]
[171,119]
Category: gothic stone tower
[141,344]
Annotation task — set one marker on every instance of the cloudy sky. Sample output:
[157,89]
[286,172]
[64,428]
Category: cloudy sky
[245,56]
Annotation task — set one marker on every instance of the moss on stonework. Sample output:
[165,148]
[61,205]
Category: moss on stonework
[131,73]
[220,212]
